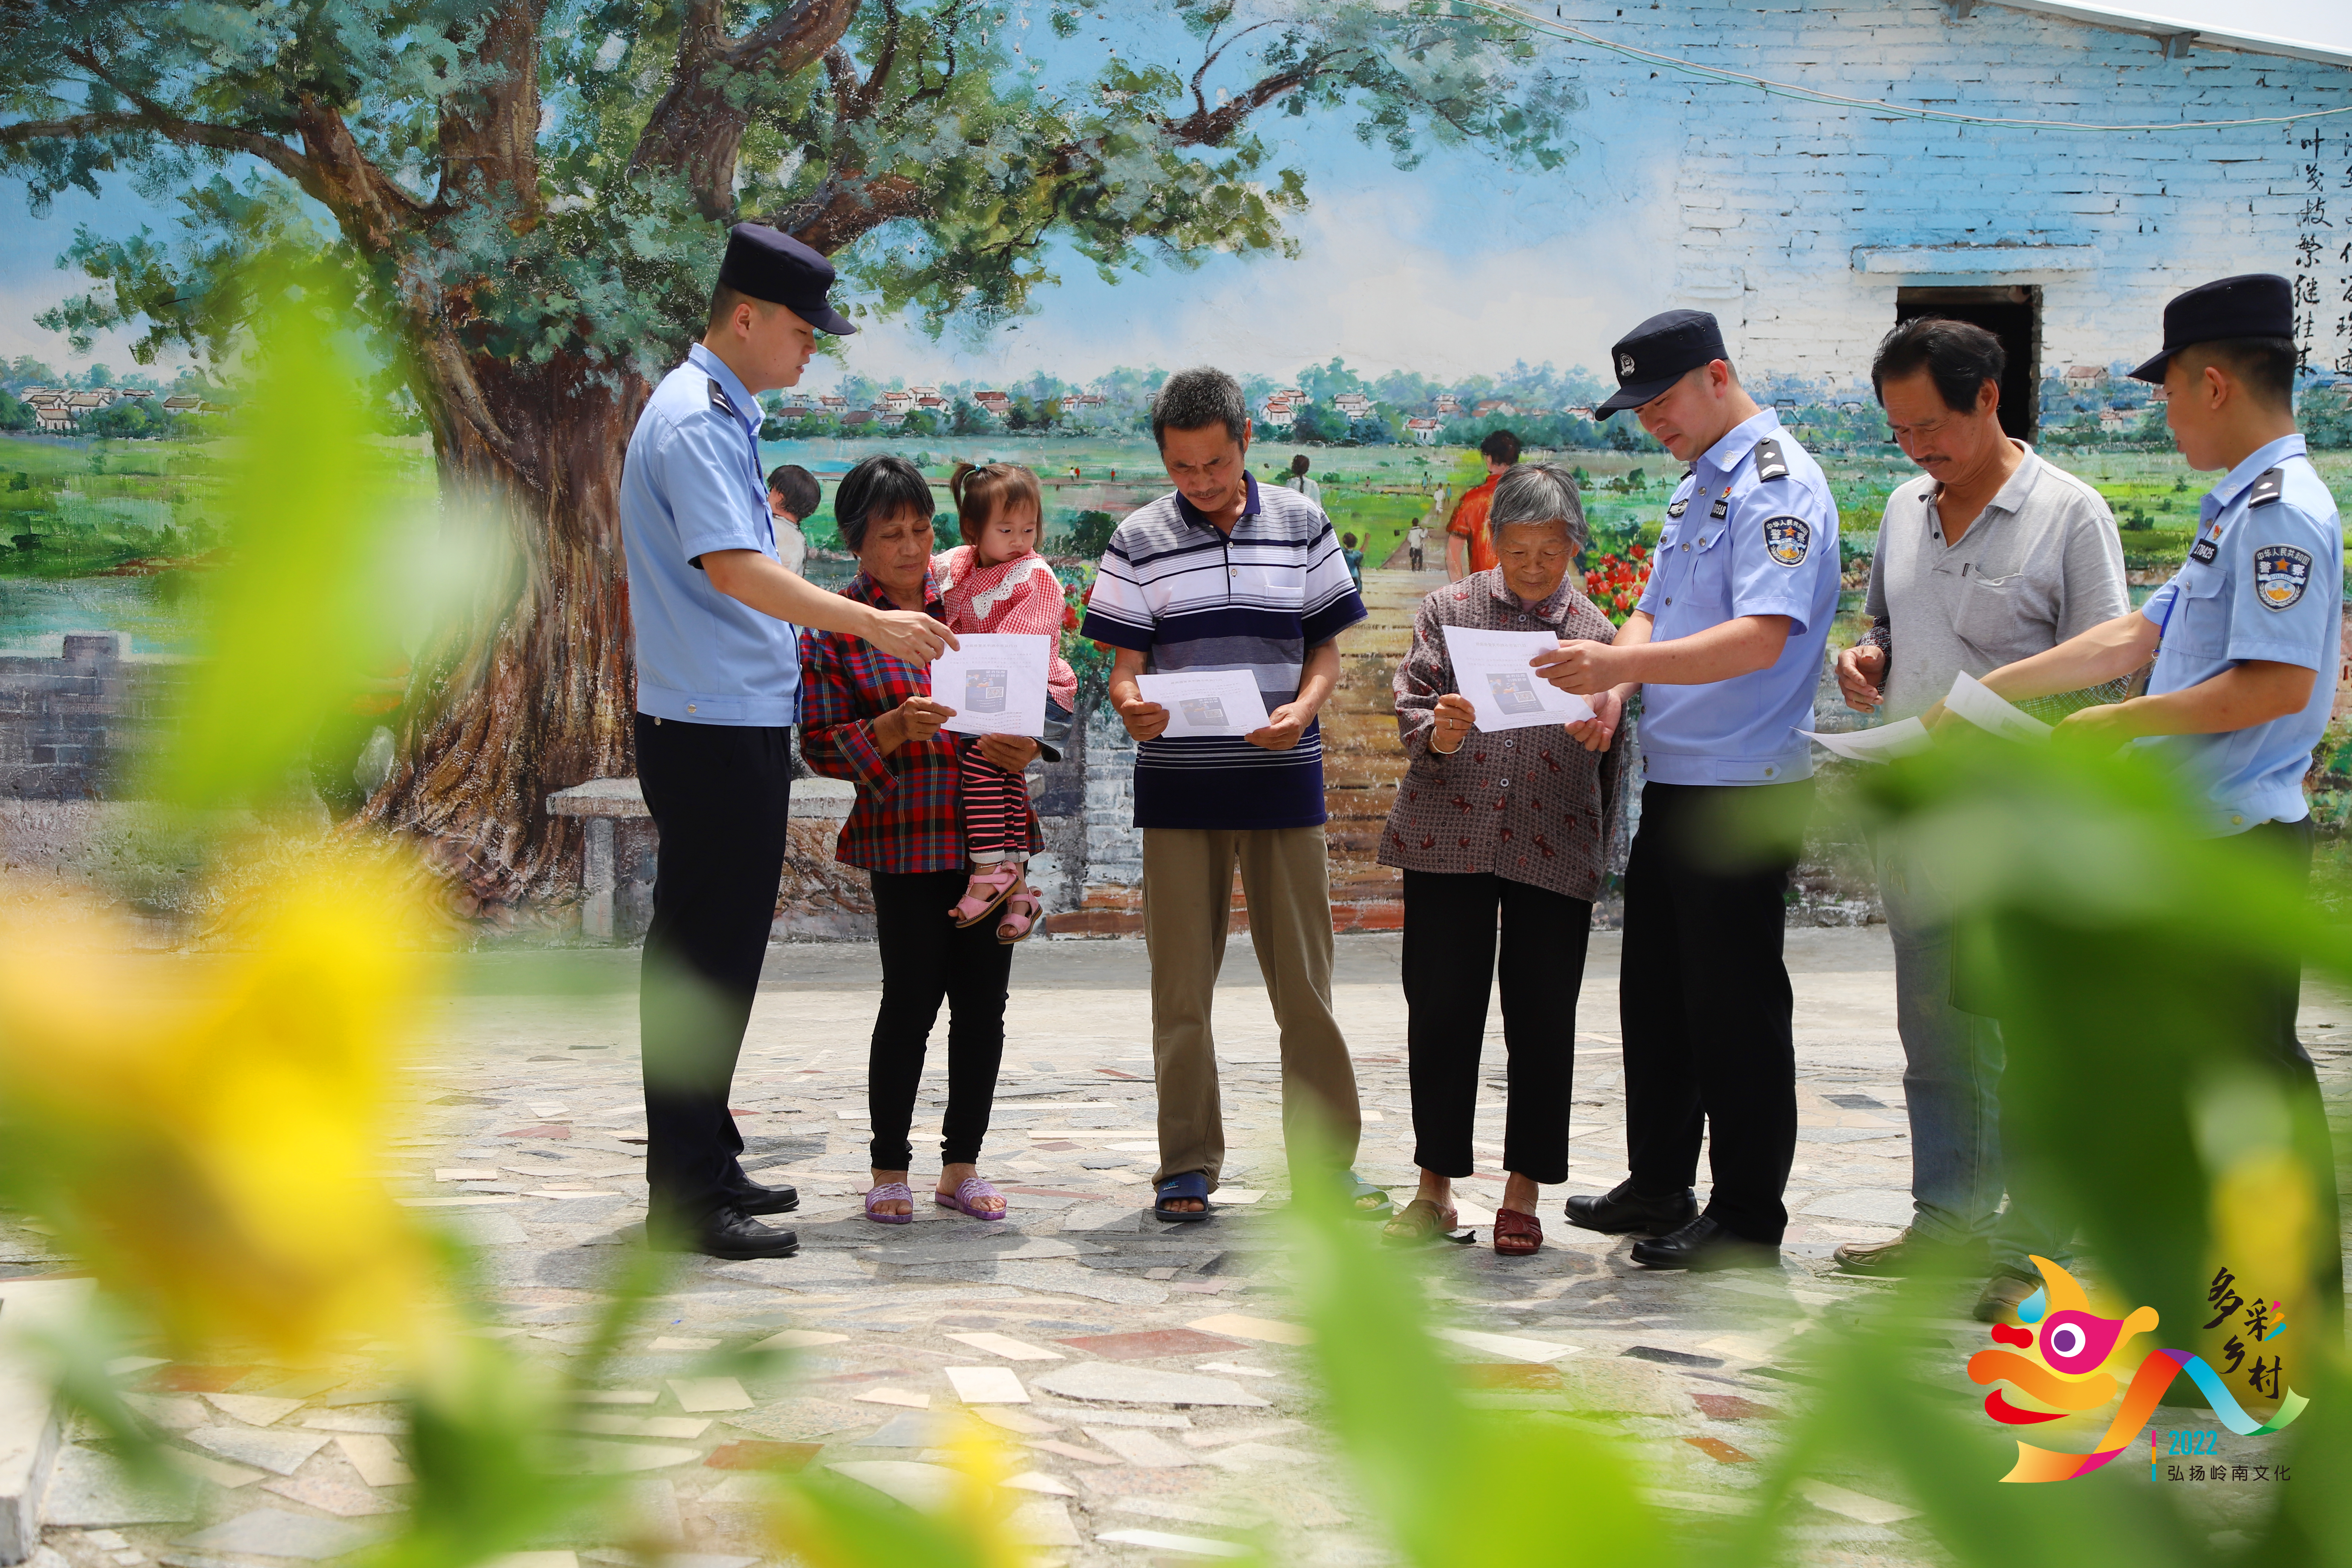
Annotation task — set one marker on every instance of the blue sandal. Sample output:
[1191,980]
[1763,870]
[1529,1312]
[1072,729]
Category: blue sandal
[1191,1184]
[1360,1190]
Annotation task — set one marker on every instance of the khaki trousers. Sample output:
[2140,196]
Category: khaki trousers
[1188,880]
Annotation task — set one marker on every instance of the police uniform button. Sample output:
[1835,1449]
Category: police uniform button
[2237,822]
[692,709]
[1769,772]
[1685,547]
[1670,599]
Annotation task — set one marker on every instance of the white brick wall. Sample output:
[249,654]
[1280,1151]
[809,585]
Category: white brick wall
[1771,196]
[1113,844]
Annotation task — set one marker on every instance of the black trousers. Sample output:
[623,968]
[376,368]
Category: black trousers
[1450,923]
[1704,998]
[720,797]
[926,960]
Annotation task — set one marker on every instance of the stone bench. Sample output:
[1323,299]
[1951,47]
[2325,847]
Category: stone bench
[600,801]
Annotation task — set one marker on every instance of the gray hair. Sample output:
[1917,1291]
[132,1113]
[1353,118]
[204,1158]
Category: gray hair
[1535,494]
[1196,399]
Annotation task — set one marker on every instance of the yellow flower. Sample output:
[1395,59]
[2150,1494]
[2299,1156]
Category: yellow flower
[203,1130]
[964,1524]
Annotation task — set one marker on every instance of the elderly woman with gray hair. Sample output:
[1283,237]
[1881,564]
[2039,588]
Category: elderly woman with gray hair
[1510,825]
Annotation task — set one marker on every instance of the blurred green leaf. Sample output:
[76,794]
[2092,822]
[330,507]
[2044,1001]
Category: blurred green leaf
[1444,1477]
[836,1523]
[1889,1402]
[76,1348]
[308,604]
[2121,945]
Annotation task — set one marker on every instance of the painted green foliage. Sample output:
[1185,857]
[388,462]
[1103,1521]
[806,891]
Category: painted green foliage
[938,145]
[527,199]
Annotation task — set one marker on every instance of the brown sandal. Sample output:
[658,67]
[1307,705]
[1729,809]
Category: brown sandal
[1522,1232]
[1419,1220]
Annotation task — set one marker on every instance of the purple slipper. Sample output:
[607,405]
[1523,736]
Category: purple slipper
[970,1191]
[883,1195]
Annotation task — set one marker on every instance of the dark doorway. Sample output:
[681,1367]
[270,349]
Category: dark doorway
[2011,313]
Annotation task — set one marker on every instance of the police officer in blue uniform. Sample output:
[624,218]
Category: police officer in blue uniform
[1726,651]
[2242,636]
[717,663]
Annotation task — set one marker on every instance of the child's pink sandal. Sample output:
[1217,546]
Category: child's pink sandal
[1021,912]
[967,1196]
[987,888]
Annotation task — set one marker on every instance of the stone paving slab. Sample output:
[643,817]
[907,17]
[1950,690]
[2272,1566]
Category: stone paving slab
[1148,1377]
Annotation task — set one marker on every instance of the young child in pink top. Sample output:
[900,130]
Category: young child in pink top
[996,582]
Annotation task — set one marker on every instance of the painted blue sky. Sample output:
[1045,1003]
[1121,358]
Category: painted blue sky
[1458,267]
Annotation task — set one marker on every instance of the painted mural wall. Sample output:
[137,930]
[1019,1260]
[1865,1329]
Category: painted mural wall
[1796,222]
[1401,212]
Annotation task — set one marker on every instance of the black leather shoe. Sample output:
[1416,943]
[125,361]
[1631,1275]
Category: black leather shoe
[1620,1212]
[732,1233]
[753,1198]
[1703,1244]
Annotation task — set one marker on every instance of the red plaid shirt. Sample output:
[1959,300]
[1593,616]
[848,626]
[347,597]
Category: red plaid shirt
[906,817]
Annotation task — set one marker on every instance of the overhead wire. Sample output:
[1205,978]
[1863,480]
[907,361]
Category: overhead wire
[1562,29]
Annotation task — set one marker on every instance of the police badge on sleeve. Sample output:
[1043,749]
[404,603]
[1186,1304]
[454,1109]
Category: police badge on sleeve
[1786,540]
[2281,574]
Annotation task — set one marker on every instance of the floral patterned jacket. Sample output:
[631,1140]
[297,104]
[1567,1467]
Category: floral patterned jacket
[1529,805]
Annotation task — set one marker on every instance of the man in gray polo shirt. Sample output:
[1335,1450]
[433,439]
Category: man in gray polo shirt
[1992,555]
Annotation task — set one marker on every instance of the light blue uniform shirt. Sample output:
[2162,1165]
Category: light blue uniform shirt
[1740,541]
[689,485]
[2264,580]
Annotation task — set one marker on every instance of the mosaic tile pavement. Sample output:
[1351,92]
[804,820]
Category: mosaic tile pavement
[1147,1376]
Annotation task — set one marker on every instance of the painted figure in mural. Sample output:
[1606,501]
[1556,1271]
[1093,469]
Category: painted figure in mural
[1299,481]
[1725,650]
[792,495]
[1990,556]
[1225,574]
[1354,557]
[1468,546]
[1416,544]
[1532,864]
[996,582]
[2241,636]
[870,718]
[715,615]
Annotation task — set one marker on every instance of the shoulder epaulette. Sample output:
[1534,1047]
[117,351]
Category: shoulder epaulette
[2267,486]
[1770,464]
[719,400]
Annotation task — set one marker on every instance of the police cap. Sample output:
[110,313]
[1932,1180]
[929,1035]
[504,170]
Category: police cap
[769,265]
[2251,305]
[1659,352]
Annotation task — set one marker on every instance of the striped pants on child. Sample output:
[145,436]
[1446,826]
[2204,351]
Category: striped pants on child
[995,808]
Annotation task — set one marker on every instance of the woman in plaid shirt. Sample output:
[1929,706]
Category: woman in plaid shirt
[869,718]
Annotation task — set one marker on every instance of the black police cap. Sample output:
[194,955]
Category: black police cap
[1659,352]
[768,264]
[2251,305]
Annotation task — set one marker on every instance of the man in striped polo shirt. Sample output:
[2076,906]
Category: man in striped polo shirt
[1225,574]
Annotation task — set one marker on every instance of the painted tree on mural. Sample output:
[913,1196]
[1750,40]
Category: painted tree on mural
[528,197]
